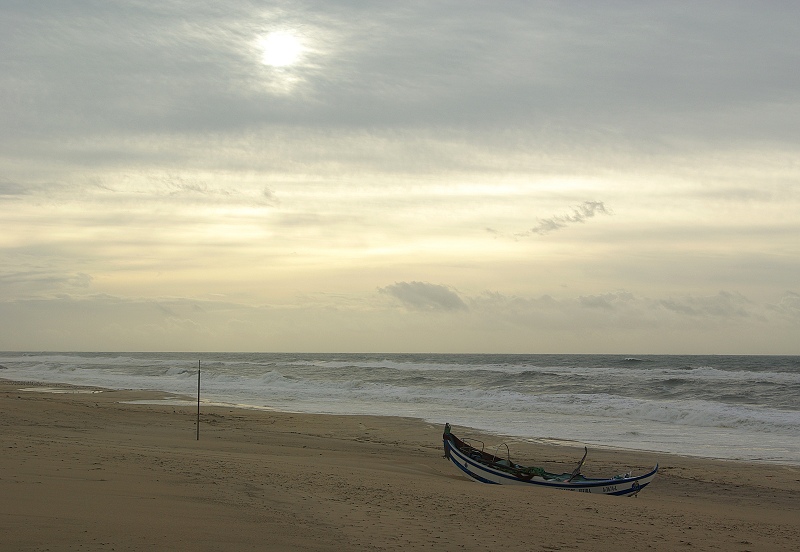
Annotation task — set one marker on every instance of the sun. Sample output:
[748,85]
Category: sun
[280,49]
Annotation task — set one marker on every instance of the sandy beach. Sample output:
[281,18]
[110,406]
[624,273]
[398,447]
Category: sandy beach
[89,471]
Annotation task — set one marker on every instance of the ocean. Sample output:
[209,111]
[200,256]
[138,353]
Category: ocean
[729,407]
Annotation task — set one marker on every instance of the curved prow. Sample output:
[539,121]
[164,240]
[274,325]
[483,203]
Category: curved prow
[577,471]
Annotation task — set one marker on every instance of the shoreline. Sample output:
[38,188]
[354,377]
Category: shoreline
[91,471]
[600,401]
[167,399]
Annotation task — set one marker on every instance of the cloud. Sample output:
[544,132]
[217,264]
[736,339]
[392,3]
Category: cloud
[609,71]
[788,305]
[722,305]
[623,309]
[12,189]
[580,214]
[423,296]
[546,313]
[147,146]
[611,322]
[269,197]
[45,281]
[607,301]
[17,190]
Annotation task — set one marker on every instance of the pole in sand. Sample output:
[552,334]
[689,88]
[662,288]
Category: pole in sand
[198,400]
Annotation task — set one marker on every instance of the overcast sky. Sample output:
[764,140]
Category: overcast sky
[462,176]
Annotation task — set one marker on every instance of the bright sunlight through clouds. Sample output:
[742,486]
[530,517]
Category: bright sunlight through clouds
[280,49]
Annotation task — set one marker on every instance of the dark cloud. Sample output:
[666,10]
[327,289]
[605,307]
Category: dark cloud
[425,297]
[580,214]
[269,197]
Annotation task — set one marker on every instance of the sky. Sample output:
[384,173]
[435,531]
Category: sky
[441,176]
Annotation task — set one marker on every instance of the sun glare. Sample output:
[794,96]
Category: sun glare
[280,49]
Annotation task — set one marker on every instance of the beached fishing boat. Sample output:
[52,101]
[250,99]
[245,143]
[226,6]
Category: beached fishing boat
[486,467]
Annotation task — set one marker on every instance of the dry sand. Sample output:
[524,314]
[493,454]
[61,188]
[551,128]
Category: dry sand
[87,471]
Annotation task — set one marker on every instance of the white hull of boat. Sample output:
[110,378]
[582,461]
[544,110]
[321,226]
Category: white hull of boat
[485,473]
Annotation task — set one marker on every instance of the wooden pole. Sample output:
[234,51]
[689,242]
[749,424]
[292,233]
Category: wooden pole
[198,400]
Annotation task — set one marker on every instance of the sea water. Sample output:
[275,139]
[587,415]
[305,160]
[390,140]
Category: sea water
[731,407]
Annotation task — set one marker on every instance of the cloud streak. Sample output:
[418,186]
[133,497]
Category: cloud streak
[580,214]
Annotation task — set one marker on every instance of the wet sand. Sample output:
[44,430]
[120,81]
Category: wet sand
[88,471]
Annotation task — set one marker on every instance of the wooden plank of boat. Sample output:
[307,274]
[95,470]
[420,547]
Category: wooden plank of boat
[487,468]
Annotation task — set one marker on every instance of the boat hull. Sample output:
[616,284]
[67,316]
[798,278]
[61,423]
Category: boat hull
[485,473]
